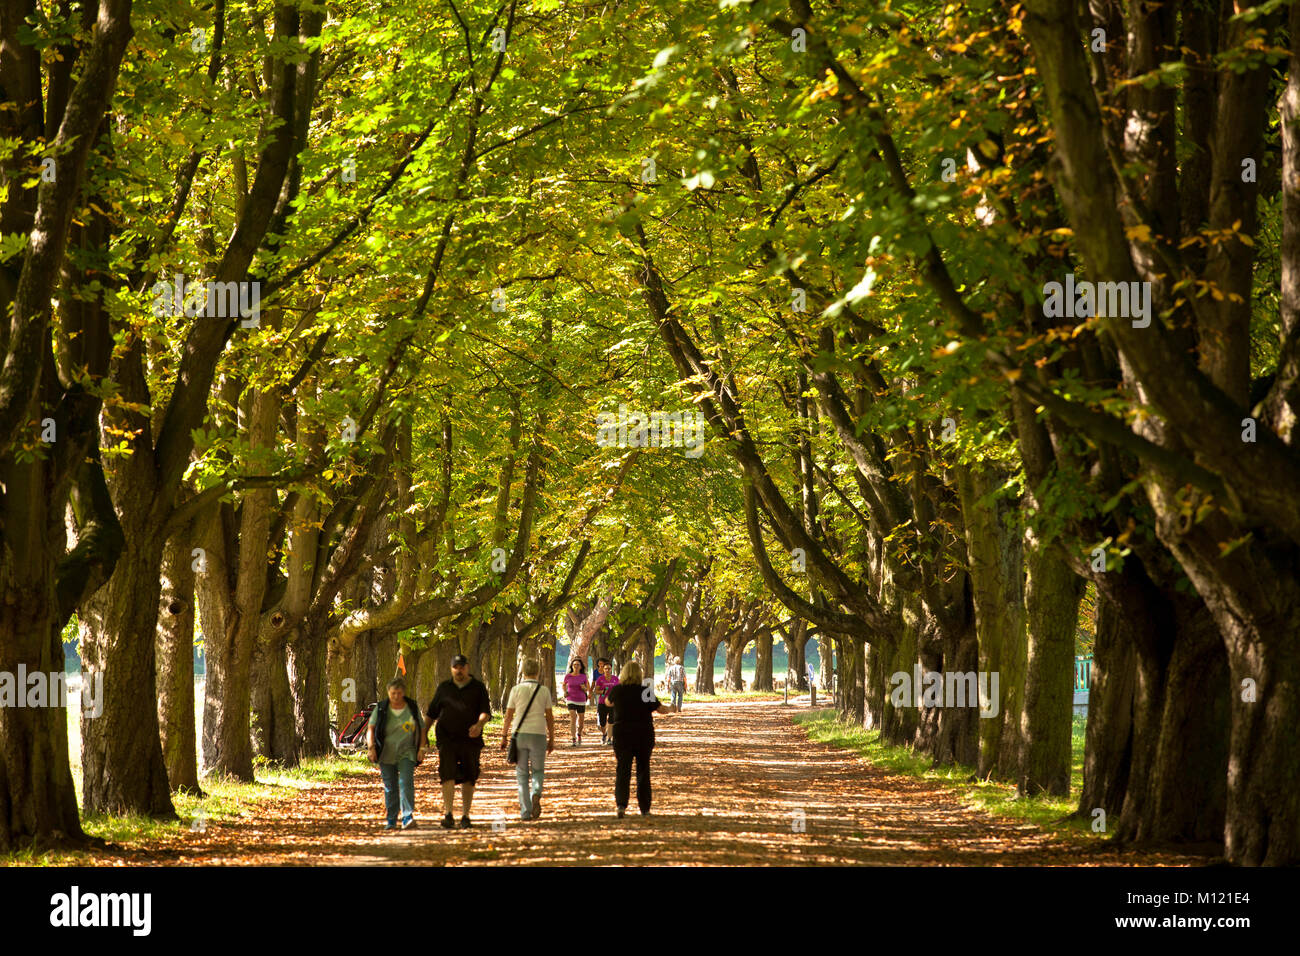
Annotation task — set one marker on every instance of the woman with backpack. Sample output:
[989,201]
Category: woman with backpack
[394,739]
[534,738]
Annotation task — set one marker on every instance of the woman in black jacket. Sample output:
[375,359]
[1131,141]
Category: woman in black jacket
[633,703]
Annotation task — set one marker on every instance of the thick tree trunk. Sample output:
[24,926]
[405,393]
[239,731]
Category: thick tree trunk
[675,643]
[796,663]
[995,554]
[305,666]
[733,680]
[547,656]
[440,667]
[646,653]
[365,670]
[417,677]
[1254,598]
[38,801]
[825,664]
[175,652]
[1263,809]
[763,667]
[928,719]
[1187,789]
[1158,680]
[875,684]
[900,724]
[339,670]
[849,701]
[1052,595]
[1108,742]
[600,648]
[236,579]
[354,677]
[708,650]
[121,749]
[959,727]
[274,731]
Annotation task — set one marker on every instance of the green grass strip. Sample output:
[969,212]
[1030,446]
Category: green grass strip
[995,797]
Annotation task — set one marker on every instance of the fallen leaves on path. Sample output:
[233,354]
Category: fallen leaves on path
[735,783]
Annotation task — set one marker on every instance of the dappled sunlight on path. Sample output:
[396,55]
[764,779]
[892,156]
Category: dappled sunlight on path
[735,782]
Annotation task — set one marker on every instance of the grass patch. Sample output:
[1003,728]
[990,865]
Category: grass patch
[223,799]
[992,796]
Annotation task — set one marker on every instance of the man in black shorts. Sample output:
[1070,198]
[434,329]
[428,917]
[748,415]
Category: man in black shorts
[459,711]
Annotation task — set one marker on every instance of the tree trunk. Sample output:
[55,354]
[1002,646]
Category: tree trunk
[675,643]
[957,740]
[175,652]
[600,648]
[645,652]
[1052,595]
[796,664]
[1187,790]
[1254,599]
[763,667]
[733,680]
[995,555]
[417,677]
[708,650]
[1263,812]
[825,663]
[38,801]
[237,577]
[547,656]
[121,750]
[440,667]
[274,732]
[305,666]
[849,701]
[1108,741]
[875,683]
[899,724]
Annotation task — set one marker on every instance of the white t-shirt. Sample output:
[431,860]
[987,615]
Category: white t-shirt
[535,722]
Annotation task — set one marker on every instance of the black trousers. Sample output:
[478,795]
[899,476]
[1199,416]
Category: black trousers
[627,747]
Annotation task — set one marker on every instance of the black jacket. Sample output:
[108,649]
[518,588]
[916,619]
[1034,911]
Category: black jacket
[381,723]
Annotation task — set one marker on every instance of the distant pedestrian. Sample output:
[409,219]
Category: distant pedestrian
[634,703]
[459,711]
[577,691]
[395,742]
[604,681]
[677,682]
[535,736]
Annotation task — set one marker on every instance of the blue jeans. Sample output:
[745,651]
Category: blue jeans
[399,776]
[679,692]
[532,762]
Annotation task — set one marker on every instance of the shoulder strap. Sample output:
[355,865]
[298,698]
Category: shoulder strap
[529,707]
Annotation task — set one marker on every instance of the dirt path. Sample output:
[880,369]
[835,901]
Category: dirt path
[731,781]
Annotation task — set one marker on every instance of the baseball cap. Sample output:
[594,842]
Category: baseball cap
[458,660]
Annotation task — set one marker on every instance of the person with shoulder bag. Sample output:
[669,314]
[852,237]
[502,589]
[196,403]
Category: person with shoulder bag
[394,742]
[534,738]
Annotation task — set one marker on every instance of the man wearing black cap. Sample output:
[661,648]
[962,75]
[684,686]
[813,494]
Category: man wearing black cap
[459,711]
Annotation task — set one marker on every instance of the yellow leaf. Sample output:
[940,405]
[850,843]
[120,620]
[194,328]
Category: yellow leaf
[1141,233]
